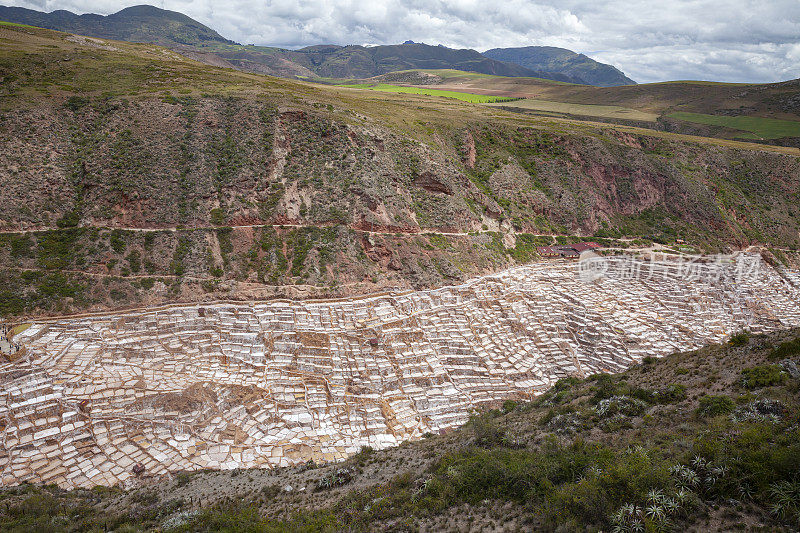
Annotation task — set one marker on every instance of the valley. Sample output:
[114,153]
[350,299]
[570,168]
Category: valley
[383,292]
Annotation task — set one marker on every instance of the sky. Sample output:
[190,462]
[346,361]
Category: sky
[719,40]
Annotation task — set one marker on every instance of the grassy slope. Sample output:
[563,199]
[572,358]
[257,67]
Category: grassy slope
[764,128]
[587,110]
[700,441]
[464,97]
[769,101]
[137,136]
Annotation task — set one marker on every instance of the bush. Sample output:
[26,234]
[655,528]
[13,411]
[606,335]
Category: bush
[762,376]
[786,349]
[486,431]
[335,478]
[75,103]
[785,496]
[117,241]
[739,339]
[218,217]
[620,405]
[672,394]
[764,410]
[135,261]
[505,474]
[363,454]
[715,405]
[70,219]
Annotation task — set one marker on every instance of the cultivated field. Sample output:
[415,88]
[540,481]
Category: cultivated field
[760,128]
[466,97]
[588,110]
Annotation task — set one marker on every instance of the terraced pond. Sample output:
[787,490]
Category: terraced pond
[112,398]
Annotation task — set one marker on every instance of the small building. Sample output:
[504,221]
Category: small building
[547,251]
[581,247]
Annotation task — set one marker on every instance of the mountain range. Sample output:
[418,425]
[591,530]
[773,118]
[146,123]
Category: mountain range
[175,30]
[552,59]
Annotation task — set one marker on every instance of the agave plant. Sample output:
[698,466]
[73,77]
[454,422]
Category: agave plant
[656,496]
[699,462]
[746,491]
[627,519]
[670,504]
[683,496]
[786,499]
[686,477]
[638,449]
[655,513]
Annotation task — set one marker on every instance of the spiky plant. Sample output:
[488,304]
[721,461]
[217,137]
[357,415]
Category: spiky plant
[785,497]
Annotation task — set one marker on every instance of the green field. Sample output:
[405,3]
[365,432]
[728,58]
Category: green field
[452,74]
[466,97]
[589,110]
[763,128]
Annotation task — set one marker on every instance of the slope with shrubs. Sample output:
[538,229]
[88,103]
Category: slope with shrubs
[214,183]
[699,441]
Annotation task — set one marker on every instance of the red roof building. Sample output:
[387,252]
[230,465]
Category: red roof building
[581,247]
[547,251]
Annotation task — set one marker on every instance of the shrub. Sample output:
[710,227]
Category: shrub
[135,261]
[567,383]
[764,410]
[762,376]
[786,349]
[335,478]
[486,430]
[604,388]
[149,239]
[70,219]
[563,423]
[364,453]
[218,217]
[620,405]
[715,405]
[117,241]
[75,103]
[671,394]
[509,405]
[785,497]
[739,339]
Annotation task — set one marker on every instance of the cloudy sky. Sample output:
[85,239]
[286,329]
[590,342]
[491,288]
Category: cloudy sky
[725,40]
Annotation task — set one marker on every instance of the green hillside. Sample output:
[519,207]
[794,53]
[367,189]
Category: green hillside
[552,59]
[202,182]
[143,23]
[465,97]
[761,128]
[150,24]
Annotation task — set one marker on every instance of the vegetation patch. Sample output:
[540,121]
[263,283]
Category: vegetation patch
[763,128]
[762,376]
[465,97]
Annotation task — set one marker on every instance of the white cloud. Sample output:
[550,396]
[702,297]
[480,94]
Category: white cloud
[725,40]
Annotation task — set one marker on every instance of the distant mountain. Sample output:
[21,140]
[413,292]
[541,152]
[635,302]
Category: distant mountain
[177,31]
[144,24]
[563,61]
[364,62]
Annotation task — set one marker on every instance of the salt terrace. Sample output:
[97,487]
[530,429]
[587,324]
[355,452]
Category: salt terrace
[102,400]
